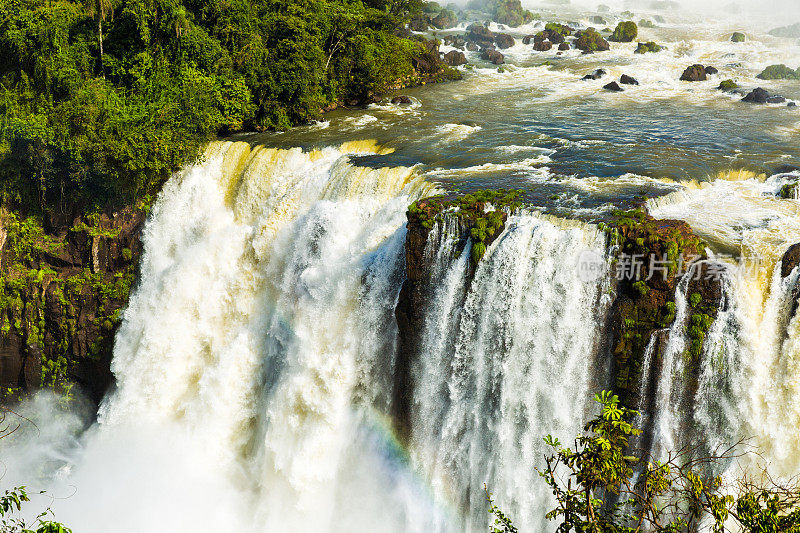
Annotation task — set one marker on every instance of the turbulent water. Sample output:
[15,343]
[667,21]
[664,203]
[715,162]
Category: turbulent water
[255,364]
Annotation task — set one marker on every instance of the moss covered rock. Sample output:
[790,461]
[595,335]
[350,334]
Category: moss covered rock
[589,40]
[625,32]
[738,37]
[694,73]
[648,47]
[779,72]
[728,86]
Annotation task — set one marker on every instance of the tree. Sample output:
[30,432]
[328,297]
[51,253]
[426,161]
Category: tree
[100,10]
[599,487]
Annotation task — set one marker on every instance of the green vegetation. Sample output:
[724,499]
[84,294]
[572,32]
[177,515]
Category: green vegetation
[779,72]
[789,191]
[100,101]
[625,32]
[483,212]
[728,85]
[650,46]
[738,37]
[600,486]
[508,12]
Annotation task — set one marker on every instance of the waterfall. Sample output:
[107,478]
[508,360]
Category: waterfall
[748,368]
[505,364]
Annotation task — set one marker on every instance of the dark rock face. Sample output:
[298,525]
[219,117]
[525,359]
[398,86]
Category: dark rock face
[791,104]
[645,303]
[711,70]
[543,46]
[694,73]
[738,37]
[455,58]
[402,99]
[628,80]
[596,75]
[614,87]
[489,54]
[527,39]
[62,322]
[504,40]
[776,100]
[564,46]
[790,260]
[757,96]
[418,24]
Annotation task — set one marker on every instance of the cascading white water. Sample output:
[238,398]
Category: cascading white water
[748,380]
[255,362]
[509,365]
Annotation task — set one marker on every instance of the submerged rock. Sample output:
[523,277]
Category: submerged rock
[527,39]
[402,100]
[628,80]
[613,86]
[776,100]
[596,75]
[711,70]
[694,73]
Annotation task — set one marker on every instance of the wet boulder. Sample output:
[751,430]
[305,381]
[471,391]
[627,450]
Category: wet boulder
[492,55]
[710,71]
[728,86]
[472,47]
[596,75]
[650,46]
[589,40]
[776,100]
[480,35]
[504,40]
[738,37]
[543,46]
[628,80]
[791,104]
[597,19]
[694,73]
[614,87]
[401,100]
[454,58]
[527,39]
[564,46]
[757,96]
[549,35]
[625,32]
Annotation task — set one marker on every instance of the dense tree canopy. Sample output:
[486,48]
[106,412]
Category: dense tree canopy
[101,99]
